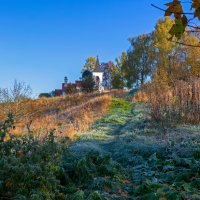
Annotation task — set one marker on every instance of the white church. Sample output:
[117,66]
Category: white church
[97,74]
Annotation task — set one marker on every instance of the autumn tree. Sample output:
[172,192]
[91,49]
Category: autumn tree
[191,64]
[174,60]
[185,18]
[164,49]
[89,64]
[140,60]
[107,74]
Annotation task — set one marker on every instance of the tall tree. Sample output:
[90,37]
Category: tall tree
[140,59]
[117,74]
[107,74]
[89,64]
[173,60]
[165,50]
[117,80]
[192,55]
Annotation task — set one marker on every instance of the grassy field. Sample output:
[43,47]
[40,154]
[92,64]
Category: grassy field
[66,115]
[123,155]
[145,161]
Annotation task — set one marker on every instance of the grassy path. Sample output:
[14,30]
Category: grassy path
[123,156]
[105,132]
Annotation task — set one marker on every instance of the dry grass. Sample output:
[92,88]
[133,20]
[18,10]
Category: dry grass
[141,96]
[178,103]
[78,118]
[67,115]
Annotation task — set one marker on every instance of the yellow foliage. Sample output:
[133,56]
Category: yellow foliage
[161,35]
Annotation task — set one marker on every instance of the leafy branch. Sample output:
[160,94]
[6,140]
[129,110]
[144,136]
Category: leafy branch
[181,19]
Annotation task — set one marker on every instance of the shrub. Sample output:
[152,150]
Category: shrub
[29,168]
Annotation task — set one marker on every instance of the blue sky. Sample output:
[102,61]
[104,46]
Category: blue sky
[41,41]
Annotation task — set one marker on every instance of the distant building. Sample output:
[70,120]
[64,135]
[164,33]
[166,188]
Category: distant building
[68,88]
[58,92]
[71,87]
[98,75]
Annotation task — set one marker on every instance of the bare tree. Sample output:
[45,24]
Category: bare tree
[13,99]
[18,91]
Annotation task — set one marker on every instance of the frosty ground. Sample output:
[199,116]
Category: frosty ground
[125,155]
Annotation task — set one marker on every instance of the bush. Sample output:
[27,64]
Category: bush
[29,168]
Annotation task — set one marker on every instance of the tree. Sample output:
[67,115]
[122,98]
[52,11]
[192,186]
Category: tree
[13,99]
[17,92]
[44,95]
[90,64]
[173,60]
[118,81]
[165,50]
[107,74]
[185,18]
[88,83]
[140,60]
[191,64]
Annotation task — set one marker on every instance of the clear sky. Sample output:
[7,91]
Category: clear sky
[41,41]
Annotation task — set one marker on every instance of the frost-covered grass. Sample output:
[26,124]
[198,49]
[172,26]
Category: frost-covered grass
[124,155]
[156,163]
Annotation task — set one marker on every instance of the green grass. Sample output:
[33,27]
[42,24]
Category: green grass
[157,165]
[120,105]
[123,156]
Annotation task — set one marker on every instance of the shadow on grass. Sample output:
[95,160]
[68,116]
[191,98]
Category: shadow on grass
[157,167]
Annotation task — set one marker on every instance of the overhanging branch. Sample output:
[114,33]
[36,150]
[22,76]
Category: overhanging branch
[189,45]
[183,13]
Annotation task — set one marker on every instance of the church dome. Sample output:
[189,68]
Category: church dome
[86,73]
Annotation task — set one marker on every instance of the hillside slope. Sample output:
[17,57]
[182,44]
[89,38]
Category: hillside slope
[123,155]
[141,162]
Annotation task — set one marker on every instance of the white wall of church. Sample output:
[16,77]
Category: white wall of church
[100,75]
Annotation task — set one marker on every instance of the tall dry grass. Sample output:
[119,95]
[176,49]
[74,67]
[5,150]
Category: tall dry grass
[67,115]
[178,103]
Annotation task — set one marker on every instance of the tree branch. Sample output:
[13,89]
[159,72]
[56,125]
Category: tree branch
[170,12]
[195,27]
[189,45]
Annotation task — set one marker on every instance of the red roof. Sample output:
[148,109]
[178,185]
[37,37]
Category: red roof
[58,92]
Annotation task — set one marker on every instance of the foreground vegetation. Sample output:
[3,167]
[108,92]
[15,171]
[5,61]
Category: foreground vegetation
[124,155]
